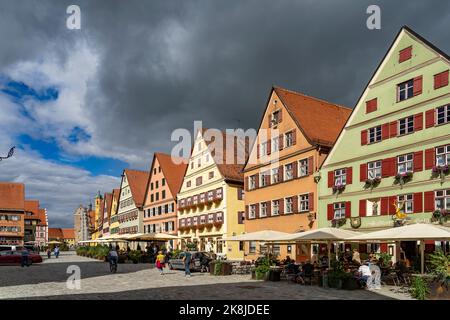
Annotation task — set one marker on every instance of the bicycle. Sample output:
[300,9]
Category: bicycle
[112,265]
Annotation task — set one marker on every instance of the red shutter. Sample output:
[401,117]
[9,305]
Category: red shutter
[256,181]
[294,137]
[349,173]
[269,146]
[384,206]
[330,179]
[429,201]
[363,172]
[295,204]
[417,86]
[384,247]
[437,81]
[429,159]
[393,129]
[269,208]
[246,212]
[348,209]
[281,201]
[393,166]
[330,211]
[295,169]
[363,137]
[418,161]
[444,78]
[280,142]
[310,165]
[388,167]
[257,210]
[371,105]
[418,121]
[429,118]
[441,80]
[267,177]
[405,54]
[392,201]
[417,202]
[280,174]
[362,208]
[311,201]
[385,131]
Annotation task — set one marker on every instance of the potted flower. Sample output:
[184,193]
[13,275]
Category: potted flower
[338,222]
[372,183]
[338,188]
[440,171]
[402,178]
[440,215]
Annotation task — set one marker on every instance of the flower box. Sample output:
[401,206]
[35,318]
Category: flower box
[372,183]
[404,177]
[338,188]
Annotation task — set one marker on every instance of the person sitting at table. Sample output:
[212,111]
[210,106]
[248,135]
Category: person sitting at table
[306,272]
[365,275]
[287,260]
[348,255]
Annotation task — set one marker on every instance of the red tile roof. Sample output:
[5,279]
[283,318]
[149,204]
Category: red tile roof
[55,233]
[108,199]
[137,181]
[319,120]
[42,217]
[173,172]
[12,196]
[92,218]
[32,206]
[68,233]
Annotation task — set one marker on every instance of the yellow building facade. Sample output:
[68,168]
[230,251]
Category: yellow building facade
[98,215]
[114,221]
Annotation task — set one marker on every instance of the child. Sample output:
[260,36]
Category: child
[160,262]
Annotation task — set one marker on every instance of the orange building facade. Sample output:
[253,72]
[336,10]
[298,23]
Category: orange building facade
[160,206]
[295,135]
[12,213]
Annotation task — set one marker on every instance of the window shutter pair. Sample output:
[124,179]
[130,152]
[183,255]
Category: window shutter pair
[429,158]
[371,105]
[429,201]
[417,85]
[418,121]
[429,118]
[392,200]
[441,80]
[363,172]
[418,161]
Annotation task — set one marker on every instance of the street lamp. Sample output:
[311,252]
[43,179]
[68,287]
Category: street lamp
[10,154]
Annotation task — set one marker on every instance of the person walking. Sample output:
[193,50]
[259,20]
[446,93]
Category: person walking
[56,251]
[187,263]
[49,253]
[24,259]
[160,262]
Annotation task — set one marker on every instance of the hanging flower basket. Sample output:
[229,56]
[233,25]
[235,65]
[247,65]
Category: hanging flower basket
[402,178]
[338,188]
[336,223]
[372,183]
[440,215]
[440,172]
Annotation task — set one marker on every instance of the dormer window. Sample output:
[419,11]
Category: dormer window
[275,118]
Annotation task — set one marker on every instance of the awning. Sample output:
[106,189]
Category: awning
[152,236]
[411,232]
[264,235]
[323,234]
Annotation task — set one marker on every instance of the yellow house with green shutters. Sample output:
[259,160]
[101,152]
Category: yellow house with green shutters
[210,202]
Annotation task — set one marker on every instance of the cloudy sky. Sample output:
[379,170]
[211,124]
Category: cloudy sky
[81,105]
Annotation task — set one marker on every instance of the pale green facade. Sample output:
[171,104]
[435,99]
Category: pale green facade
[349,152]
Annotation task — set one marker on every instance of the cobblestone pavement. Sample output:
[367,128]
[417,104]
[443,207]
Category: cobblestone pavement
[139,281]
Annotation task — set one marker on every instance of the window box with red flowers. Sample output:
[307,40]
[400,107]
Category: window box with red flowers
[440,215]
[372,183]
[336,223]
[403,177]
[338,188]
[440,172]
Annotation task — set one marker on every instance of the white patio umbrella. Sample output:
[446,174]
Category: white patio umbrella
[153,236]
[323,234]
[264,235]
[412,232]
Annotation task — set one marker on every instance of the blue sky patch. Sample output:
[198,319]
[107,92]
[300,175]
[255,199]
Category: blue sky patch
[78,135]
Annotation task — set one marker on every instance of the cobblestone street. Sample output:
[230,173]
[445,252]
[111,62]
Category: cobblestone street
[138,281]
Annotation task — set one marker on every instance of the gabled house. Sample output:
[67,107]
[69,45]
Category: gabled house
[32,219]
[12,213]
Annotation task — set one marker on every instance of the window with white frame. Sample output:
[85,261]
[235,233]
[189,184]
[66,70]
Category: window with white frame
[443,155]
[374,169]
[275,144]
[252,247]
[263,209]
[303,168]
[443,114]
[263,150]
[252,182]
[275,175]
[303,202]
[442,200]
[252,211]
[289,205]
[340,177]
[375,134]
[288,172]
[405,90]
[275,207]
[288,139]
[406,125]
[405,163]
[263,179]
[406,203]
[339,210]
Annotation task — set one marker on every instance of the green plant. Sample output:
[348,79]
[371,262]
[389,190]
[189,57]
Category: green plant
[191,246]
[440,265]
[175,252]
[218,268]
[419,288]
[386,258]
[134,256]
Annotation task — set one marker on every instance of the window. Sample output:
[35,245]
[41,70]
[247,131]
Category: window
[152,198]
[288,205]
[288,172]
[263,212]
[275,207]
[442,199]
[241,245]
[375,134]
[339,210]
[374,170]
[288,139]
[151,186]
[373,207]
[303,168]
[199,162]
[304,202]
[275,175]
[163,182]
[405,163]
[192,165]
[340,177]
[198,181]
[443,155]
[275,144]
[406,203]
[159,169]
[263,179]
[252,247]
[163,194]
[406,125]
[154,170]
[252,211]
[252,182]
[405,90]
[157,184]
[188,184]
[443,114]
[275,117]
[263,148]
[157,196]
[211,175]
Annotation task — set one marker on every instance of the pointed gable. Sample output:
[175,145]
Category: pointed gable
[137,181]
[108,202]
[173,169]
[32,206]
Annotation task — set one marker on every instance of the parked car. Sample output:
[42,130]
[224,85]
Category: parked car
[15,257]
[10,247]
[199,261]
